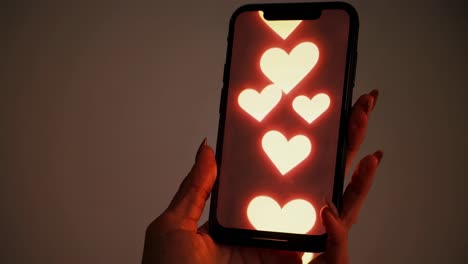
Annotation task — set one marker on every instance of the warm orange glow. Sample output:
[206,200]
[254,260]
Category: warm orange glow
[310,109]
[307,257]
[260,104]
[297,216]
[287,70]
[283,153]
[281,27]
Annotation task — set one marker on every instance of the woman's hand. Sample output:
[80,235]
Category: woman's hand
[339,224]
[174,237]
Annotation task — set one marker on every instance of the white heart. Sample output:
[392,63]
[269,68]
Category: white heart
[287,70]
[281,27]
[307,257]
[297,216]
[310,109]
[260,104]
[285,154]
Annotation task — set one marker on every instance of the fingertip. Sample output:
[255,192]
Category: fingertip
[368,164]
[337,234]
[206,161]
[208,155]
[322,214]
[379,155]
[329,219]
[332,207]
[364,102]
[204,152]
[375,94]
[190,199]
[372,161]
[362,99]
[369,104]
[202,144]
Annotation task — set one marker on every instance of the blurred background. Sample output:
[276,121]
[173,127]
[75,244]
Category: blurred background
[104,103]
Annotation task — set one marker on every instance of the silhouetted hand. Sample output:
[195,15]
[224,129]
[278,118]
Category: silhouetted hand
[174,237]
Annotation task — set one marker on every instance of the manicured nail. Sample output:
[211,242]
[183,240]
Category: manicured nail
[370,103]
[379,155]
[332,207]
[204,143]
[374,93]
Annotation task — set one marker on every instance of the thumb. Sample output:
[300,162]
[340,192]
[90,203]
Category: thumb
[337,241]
[190,199]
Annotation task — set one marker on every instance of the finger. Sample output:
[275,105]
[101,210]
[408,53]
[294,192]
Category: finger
[280,256]
[337,241]
[358,124]
[359,187]
[190,199]
[375,94]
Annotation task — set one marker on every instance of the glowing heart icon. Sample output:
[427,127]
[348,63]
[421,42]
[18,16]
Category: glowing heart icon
[285,154]
[281,27]
[297,216]
[260,104]
[287,70]
[310,109]
[307,257]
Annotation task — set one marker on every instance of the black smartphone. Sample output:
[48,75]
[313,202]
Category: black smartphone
[284,108]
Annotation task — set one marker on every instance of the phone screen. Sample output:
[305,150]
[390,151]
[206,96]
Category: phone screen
[282,121]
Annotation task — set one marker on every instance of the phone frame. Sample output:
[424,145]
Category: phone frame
[277,240]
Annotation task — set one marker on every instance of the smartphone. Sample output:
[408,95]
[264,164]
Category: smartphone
[284,108]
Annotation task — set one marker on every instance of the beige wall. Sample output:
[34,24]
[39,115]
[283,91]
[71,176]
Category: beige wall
[95,134]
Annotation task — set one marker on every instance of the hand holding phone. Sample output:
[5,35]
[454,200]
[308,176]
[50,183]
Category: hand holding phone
[175,237]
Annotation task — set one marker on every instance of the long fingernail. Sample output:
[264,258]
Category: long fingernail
[370,104]
[204,143]
[379,155]
[332,207]
[374,93]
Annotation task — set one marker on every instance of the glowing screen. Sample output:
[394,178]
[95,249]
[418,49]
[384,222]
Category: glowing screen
[282,122]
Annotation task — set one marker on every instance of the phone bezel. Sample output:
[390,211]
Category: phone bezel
[276,240]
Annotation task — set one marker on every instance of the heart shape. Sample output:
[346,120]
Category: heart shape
[281,27]
[287,70]
[307,257]
[311,109]
[297,216]
[285,154]
[260,104]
